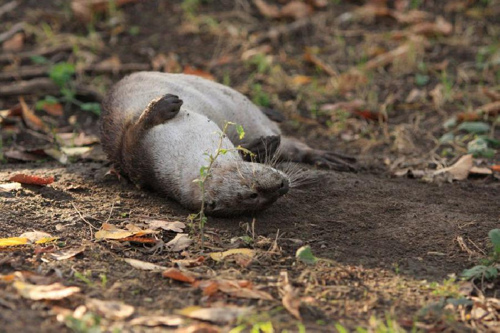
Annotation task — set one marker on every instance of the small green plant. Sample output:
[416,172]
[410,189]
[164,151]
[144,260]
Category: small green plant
[206,173]
[88,323]
[62,75]
[489,267]
[190,7]
[259,96]
[261,62]
[84,278]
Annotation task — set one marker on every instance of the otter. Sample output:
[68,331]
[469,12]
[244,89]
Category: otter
[157,129]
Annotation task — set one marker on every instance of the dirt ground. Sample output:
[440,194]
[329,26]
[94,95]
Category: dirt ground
[392,245]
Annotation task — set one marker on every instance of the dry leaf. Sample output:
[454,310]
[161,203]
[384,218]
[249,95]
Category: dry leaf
[109,231]
[114,310]
[176,226]
[309,56]
[234,288]
[266,9]
[112,63]
[146,266]
[84,10]
[13,241]
[179,243]
[190,262]
[31,180]
[31,119]
[10,187]
[199,328]
[460,170]
[54,109]
[289,298]
[198,72]
[175,274]
[495,168]
[76,139]
[296,10]
[219,256]
[67,253]
[75,151]
[387,58]
[38,237]
[15,43]
[54,291]
[480,171]
[220,315]
[153,321]
[440,27]
[301,80]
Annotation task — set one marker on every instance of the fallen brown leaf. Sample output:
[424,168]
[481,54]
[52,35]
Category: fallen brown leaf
[235,289]
[289,298]
[175,226]
[153,321]
[54,109]
[84,10]
[439,27]
[220,315]
[198,72]
[15,43]
[67,253]
[147,266]
[266,9]
[295,10]
[460,170]
[179,243]
[54,291]
[175,274]
[31,180]
[114,310]
[312,58]
[31,119]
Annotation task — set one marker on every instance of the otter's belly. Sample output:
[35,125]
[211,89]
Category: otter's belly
[178,149]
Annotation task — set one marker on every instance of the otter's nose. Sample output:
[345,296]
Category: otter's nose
[285,187]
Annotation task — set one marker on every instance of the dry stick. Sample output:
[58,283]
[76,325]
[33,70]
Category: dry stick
[285,29]
[8,7]
[18,27]
[37,71]
[44,51]
[42,86]
[84,220]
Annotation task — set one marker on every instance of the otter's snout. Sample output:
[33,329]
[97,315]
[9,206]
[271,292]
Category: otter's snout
[285,187]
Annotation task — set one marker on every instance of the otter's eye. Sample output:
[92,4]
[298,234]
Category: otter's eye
[254,195]
[282,184]
[212,205]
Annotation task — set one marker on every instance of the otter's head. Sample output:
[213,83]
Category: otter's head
[244,187]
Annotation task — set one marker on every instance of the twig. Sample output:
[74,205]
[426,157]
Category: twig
[44,51]
[285,29]
[91,226]
[40,86]
[8,7]
[18,27]
[28,72]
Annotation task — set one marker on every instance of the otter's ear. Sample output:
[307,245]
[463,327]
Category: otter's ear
[160,110]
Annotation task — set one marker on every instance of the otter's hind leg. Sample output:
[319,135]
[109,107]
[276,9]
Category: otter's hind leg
[157,112]
[296,151]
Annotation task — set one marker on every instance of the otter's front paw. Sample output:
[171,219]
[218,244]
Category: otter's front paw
[263,148]
[161,110]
